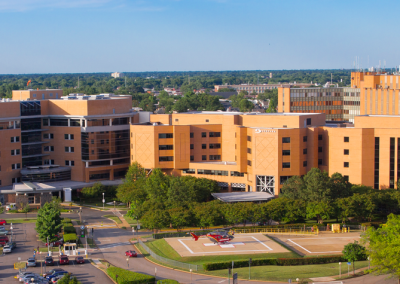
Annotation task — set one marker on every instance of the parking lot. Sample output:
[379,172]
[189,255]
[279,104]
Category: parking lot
[25,237]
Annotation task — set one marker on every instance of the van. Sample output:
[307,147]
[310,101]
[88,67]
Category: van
[3,240]
[11,206]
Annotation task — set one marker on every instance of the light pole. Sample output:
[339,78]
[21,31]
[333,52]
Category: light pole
[48,246]
[297,279]
[340,270]
[80,215]
[12,234]
[155,274]
[191,276]
[369,262]
[127,261]
[133,231]
[103,200]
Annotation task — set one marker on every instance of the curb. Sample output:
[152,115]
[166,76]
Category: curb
[103,272]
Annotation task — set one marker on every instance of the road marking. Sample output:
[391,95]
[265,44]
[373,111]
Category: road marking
[107,246]
[311,251]
[221,281]
[262,243]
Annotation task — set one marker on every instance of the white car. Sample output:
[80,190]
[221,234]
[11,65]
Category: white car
[31,262]
[7,249]
[22,275]
[3,232]
[11,206]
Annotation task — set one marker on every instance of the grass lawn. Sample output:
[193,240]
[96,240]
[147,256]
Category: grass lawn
[55,249]
[21,220]
[162,248]
[130,220]
[114,218]
[283,273]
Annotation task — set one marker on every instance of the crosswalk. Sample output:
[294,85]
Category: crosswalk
[108,246]
[102,226]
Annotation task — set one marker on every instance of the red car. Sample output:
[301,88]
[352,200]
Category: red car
[131,253]
[3,222]
[55,244]
[64,259]
[79,259]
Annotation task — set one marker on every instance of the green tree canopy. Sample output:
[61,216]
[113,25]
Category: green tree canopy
[48,222]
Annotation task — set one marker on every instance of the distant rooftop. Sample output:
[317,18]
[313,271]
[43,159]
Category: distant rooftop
[243,196]
[250,113]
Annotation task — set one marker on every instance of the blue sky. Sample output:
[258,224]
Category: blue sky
[77,36]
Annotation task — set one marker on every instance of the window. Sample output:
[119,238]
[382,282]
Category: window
[304,138]
[237,174]
[48,136]
[346,164]
[69,136]
[249,163]
[207,120]
[16,166]
[15,152]
[319,161]
[285,152]
[92,141]
[176,119]
[346,139]
[248,150]
[15,139]
[214,146]
[16,180]
[58,121]
[214,134]
[249,138]
[165,147]
[165,135]
[320,137]
[70,163]
[165,158]
[69,149]
[308,121]
[192,158]
[305,151]
[283,179]
[204,157]
[191,146]
[45,122]
[286,165]
[191,135]
[189,171]
[102,142]
[319,149]
[48,148]
[203,134]
[346,151]
[215,157]
[48,162]
[203,146]
[346,178]
[285,139]
[304,163]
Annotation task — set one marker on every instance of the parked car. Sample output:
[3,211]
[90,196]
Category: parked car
[56,243]
[7,249]
[131,253]
[79,259]
[13,245]
[2,228]
[28,277]
[53,271]
[57,278]
[3,240]
[3,222]
[23,273]
[56,274]
[31,262]
[48,260]
[64,259]
[3,232]
[37,279]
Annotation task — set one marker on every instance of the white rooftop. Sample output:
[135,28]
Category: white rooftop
[243,196]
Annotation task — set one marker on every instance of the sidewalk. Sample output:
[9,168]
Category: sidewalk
[121,217]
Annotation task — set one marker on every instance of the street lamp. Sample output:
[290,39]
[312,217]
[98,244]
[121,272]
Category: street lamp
[11,228]
[127,261]
[340,270]
[103,200]
[133,232]
[191,276]
[297,279]
[114,205]
[80,214]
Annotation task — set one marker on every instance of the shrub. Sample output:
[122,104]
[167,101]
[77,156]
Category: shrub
[69,230]
[167,281]
[272,261]
[128,277]
[66,220]
[70,238]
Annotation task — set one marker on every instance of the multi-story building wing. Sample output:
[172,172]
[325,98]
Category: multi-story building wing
[339,104]
[259,88]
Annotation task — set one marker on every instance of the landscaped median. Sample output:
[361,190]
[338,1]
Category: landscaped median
[123,276]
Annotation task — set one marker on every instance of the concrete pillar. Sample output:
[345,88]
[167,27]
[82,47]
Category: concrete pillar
[110,121]
[69,122]
[87,164]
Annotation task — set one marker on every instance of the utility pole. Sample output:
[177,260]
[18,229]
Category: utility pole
[80,215]
[125,82]
[78,82]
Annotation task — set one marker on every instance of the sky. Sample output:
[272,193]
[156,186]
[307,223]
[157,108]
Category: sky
[82,36]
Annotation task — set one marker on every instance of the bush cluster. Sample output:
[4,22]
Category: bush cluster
[128,277]
[167,281]
[274,261]
[70,238]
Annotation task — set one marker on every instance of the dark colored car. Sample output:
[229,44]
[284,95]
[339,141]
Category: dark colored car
[53,271]
[131,253]
[56,274]
[79,259]
[3,222]
[3,240]
[64,259]
[48,260]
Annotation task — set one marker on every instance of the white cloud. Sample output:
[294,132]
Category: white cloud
[26,5]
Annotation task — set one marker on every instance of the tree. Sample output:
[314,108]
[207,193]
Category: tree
[66,279]
[245,105]
[316,185]
[321,210]
[155,219]
[338,186]
[48,222]
[383,247]
[157,184]
[25,210]
[132,190]
[180,217]
[293,188]
[354,252]
[208,214]
[94,191]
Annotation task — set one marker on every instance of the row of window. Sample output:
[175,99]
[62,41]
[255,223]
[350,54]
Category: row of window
[204,134]
[210,146]
[51,149]
[210,157]
[14,139]
[212,172]
[165,158]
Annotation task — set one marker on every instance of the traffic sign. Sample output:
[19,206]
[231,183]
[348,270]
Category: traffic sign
[349,263]
[82,227]
[235,278]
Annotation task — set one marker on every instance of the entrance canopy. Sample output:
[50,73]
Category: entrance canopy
[243,196]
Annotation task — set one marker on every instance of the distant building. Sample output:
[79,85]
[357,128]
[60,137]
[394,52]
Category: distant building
[260,88]
[117,75]
[270,75]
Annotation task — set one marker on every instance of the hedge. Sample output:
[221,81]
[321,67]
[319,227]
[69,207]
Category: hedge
[66,220]
[274,261]
[167,281]
[128,277]
[69,238]
[69,230]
